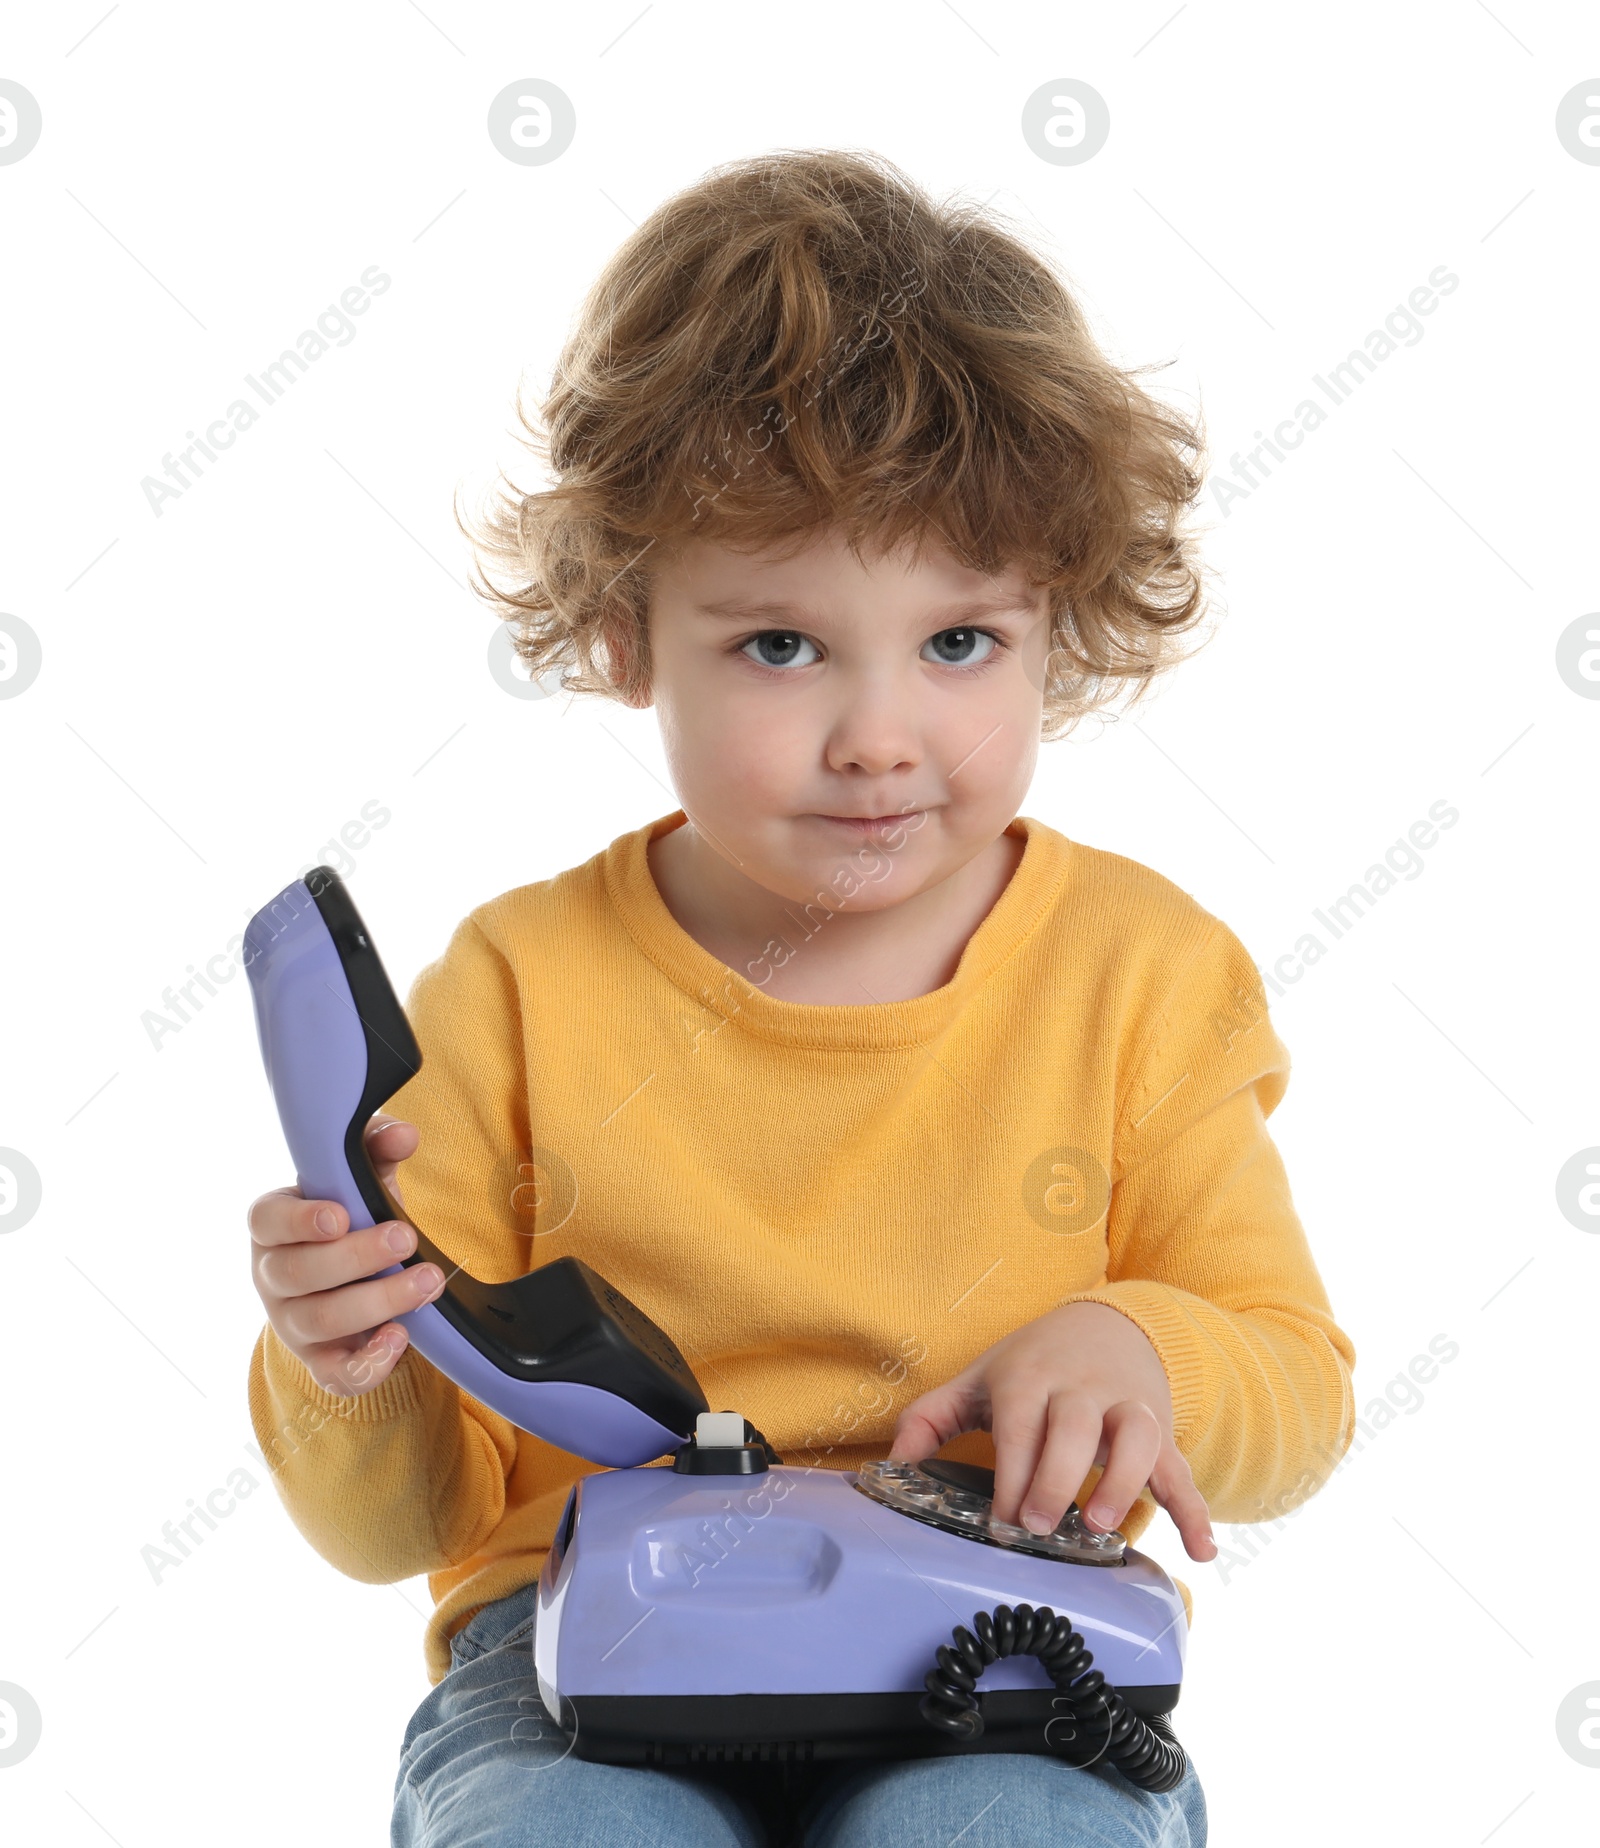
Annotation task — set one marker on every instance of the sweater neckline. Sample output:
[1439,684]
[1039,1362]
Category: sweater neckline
[869,1025]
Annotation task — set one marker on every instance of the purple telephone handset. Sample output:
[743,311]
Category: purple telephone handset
[557,1351]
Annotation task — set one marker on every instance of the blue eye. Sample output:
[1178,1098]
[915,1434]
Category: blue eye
[779,648]
[959,647]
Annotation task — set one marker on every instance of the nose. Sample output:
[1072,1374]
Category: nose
[874,729]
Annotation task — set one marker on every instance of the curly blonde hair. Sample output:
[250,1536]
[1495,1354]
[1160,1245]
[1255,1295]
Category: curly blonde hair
[804,340]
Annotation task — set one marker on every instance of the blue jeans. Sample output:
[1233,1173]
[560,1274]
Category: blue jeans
[484,1766]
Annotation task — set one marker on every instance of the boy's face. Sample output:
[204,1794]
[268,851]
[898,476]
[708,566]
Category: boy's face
[794,693]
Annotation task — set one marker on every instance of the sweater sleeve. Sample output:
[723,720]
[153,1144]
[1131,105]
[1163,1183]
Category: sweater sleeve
[1207,1254]
[410,1478]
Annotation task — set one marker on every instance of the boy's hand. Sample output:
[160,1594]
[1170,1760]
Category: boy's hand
[1079,1386]
[304,1263]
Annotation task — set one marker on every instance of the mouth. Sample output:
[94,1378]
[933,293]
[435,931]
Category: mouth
[868,824]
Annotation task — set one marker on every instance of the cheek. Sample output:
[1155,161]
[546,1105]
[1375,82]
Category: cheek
[735,751]
[988,744]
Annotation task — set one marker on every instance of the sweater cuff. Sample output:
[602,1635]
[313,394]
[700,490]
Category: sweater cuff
[1161,1317]
[292,1383]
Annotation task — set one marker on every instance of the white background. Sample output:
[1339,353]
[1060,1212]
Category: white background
[224,687]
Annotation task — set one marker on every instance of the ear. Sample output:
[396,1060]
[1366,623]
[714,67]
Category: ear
[620,646]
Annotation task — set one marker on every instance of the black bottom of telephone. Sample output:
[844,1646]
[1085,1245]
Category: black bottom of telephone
[714,1729]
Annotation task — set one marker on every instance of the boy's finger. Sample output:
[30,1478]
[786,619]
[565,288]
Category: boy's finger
[1072,1440]
[306,1322]
[391,1138]
[930,1422]
[350,1371]
[282,1217]
[390,1141]
[1135,1439]
[1019,1425]
[1172,1484]
[307,1269]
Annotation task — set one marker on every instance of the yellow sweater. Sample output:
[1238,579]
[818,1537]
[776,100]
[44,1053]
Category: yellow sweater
[832,1209]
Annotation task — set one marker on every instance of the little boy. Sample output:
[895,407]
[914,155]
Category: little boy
[919,1126]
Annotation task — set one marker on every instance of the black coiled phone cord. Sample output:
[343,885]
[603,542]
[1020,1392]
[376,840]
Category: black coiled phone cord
[1092,1723]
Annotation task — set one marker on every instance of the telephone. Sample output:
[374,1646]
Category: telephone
[702,1601]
